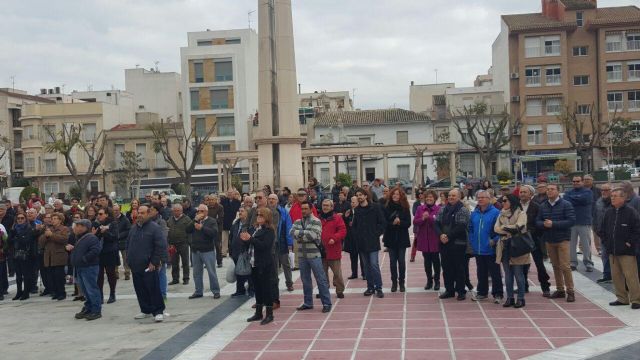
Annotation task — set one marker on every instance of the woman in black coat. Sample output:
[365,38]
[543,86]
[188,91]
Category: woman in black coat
[396,236]
[23,239]
[237,247]
[260,245]
[349,243]
[109,256]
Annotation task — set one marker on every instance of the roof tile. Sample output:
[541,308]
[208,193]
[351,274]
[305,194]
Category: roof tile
[369,117]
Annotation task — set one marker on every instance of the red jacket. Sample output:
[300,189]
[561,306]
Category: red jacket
[296,212]
[333,228]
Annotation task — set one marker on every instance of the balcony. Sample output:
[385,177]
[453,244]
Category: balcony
[615,106]
[614,46]
[553,79]
[145,164]
[533,81]
[634,75]
[634,105]
[633,45]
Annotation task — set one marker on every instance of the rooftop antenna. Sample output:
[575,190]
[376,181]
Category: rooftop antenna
[436,71]
[353,98]
[137,66]
[13,83]
[156,62]
[249,17]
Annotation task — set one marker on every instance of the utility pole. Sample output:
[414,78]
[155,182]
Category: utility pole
[13,83]
[436,71]
[353,98]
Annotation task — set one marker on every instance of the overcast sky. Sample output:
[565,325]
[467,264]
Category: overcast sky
[376,47]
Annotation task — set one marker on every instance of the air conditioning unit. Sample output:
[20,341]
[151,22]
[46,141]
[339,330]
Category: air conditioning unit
[515,75]
[515,98]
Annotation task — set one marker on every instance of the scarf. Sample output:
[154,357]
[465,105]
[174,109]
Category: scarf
[450,211]
[20,228]
[327,216]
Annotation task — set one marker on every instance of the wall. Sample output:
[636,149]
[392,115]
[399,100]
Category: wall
[156,91]
[421,96]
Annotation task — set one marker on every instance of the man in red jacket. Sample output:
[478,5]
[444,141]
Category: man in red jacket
[333,233]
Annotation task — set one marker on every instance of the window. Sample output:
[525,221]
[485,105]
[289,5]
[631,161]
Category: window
[224,71]
[581,80]
[198,69]
[161,163]
[30,164]
[533,76]
[232,41]
[580,51]
[531,47]
[579,18]
[402,137]
[28,132]
[305,114]
[221,147]
[534,107]
[51,187]
[141,151]
[534,135]
[634,100]
[634,71]
[205,42]
[583,110]
[49,133]
[554,134]
[614,101]
[50,166]
[364,140]
[613,42]
[201,127]
[219,98]
[324,176]
[552,46]
[119,149]
[404,172]
[614,72]
[226,126]
[633,41]
[553,75]
[554,106]
[195,99]
[89,132]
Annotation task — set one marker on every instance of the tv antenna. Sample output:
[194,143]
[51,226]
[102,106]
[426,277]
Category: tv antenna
[249,17]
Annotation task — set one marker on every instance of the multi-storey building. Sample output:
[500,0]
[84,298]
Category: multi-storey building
[155,92]
[220,86]
[574,54]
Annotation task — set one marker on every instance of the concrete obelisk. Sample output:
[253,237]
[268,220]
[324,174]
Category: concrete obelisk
[279,141]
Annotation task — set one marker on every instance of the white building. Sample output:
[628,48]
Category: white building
[156,92]
[374,127]
[122,102]
[220,86]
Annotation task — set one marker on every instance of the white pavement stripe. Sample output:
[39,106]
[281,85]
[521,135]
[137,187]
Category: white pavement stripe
[493,331]
[448,330]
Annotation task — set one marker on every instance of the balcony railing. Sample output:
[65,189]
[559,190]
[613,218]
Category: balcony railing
[145,164]
[634,105]
[614,46]
[615,105]
[633,44]
[533,81]
[553,79]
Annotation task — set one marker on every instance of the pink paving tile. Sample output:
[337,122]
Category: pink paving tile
[427,344]
[475,344]
[282,355]
[347,316]
[329,355]
[424,315]
[339,334]
[386,315]
[511,322]
[514,332]
[236,355]
[505,314]
[525,343]
[255,335]
[428,333]
[334,344]
[549,323]
[381,344]
[470,333]
[383,324]
[310,315]
[599,330]
[422,323]
[423,307]
[343,324]
[431,355]
[385,307]
[300,344]
[479,355]
[547,314]
[564,332]
[601,322]
[521,354]
[560,342]
[386,355]
[468,323]
[246,345]
[302,325]
[464,315]
[382,333]
[581,314]
[296,334]
[349,308]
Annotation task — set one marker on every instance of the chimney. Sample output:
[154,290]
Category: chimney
[551,9]
[57,89]
[43,91]
[412,82]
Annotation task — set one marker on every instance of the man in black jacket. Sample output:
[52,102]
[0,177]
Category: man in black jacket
[619,233]
[123,227]
[230,204]
[146,247]
[204,231]
[85,259]
[452,226]
[368,225]
[532,208]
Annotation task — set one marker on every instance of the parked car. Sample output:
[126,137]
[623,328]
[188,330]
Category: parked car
[406,185]
[635,172]
[446,182]
[173,197]
[551,177]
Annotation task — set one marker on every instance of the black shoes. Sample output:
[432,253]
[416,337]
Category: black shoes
[509,303]
[79,298]
[447,295]
[17,297]
[379,294]
[174,282]
[635,306]
[402,288]
[603,281]
[436,285]
[195,296]
[269,318]
[112,299]
[258,314]
[82,314]
[368,292]
[93,316]
[461,297]
[429,285]
[326,308]
[617,303]
[394,286]
[61,297]
[352,277]
[45,293]
[340,295]
[238,294]
[519,304]
[317,296]
[304,307]
[185,282]
[216,296]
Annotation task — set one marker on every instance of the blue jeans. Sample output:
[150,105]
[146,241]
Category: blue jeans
[306,267]
[163,280]
[372,269]
[511,272]
[199,259]
[87,279]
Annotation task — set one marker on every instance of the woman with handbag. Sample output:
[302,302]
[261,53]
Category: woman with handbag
[512,226]
[261,242]
[396,235]
[24,243]
[236,249]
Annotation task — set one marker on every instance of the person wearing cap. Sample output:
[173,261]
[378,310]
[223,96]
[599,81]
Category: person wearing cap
[85,258]
[146,248]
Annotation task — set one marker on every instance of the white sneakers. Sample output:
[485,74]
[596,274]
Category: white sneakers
[142,316]
[159,318]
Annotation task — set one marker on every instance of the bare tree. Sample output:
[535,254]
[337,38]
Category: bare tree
[487,133]
[67,142]
[131,168]
[586,132]
[190,144]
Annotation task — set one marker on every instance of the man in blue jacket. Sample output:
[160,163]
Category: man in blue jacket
[284,241]
[146,247]
[85,257]
[582,200]
[555,218]
[483,240]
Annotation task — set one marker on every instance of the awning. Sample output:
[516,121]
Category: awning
[567,156]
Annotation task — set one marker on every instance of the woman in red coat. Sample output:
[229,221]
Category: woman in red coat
[333,233]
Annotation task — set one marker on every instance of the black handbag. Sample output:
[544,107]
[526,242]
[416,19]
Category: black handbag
[323,251]
[521,244]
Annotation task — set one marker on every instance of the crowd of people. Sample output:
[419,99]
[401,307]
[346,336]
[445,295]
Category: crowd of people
[269,234]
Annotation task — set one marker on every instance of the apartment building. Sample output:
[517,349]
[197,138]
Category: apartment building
[155,92]
[572,53]
[220,86]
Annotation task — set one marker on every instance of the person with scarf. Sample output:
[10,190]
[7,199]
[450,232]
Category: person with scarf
[396,236]
[512,221]
[23,239]
[333,233]
[452,225]
[350,244]
[427,240]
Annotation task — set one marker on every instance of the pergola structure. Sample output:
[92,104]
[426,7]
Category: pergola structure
[333,152]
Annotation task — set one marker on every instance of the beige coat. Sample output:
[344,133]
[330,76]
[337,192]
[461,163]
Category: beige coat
[506,221]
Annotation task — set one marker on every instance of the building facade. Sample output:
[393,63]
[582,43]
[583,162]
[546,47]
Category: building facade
[573,54]
[155,92]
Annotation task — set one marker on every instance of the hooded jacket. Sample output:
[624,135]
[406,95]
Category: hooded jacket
[481,231]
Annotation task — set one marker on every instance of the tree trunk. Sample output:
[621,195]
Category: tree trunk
[187,187]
